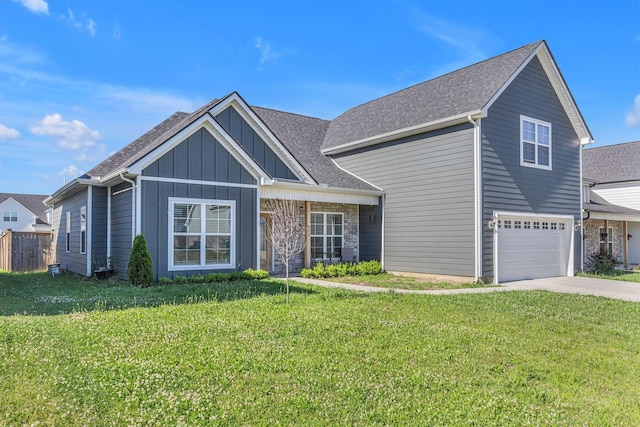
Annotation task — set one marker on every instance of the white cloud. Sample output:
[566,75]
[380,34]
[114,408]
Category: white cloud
[84,158]
[71,171]
[73,135]
[8,133]
[36,6]
[117,32]
[91,26]
[82,22]
[147,101]
[266,52]
[633,116]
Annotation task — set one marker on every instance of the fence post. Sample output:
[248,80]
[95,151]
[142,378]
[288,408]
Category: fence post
[9,250]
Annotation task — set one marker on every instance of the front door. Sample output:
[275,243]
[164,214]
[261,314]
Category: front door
[266,253]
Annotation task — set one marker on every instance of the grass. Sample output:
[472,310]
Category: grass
[386,280]
[330,357]
[623,275]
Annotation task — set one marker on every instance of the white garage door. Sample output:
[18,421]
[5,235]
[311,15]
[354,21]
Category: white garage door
[532,247]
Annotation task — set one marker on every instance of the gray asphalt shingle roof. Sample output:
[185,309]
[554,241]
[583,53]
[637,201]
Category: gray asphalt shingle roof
[612,163]
[302,136]
[452,94]
[33,202]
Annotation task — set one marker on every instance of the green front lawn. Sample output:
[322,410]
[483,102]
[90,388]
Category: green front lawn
[623,275]
[386,280]
[178,355]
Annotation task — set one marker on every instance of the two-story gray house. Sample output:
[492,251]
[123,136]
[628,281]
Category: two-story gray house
[476,173]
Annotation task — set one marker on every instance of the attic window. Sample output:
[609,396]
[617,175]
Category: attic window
[11,217]
[535,143]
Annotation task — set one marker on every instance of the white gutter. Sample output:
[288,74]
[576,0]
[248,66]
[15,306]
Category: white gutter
[401,133]
[133,205]
[477,194]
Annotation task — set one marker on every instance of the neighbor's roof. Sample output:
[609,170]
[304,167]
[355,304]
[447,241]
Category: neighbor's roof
[598,204]
[612,163]
[302,136]
[33,202]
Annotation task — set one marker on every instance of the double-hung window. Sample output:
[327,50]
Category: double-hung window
[201,234]
[606,240]
[535,143]
[326,235]
[11,217]
[83,230]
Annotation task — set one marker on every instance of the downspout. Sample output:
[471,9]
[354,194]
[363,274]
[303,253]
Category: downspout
[476,199]
[382,201]
[133,205]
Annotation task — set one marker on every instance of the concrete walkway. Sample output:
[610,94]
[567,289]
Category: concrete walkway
[616,289]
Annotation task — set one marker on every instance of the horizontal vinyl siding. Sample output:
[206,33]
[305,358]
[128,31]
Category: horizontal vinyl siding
[508,186]
[121,223]
[73,261]
[429,207]
[627,195]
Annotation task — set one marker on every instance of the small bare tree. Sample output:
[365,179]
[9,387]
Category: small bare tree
[286,232]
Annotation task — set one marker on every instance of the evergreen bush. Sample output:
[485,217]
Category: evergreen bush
[139,270]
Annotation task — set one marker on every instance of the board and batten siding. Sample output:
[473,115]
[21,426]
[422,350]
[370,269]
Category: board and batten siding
[99,227]
[257,148]
[508,186]
[73,260]
[198,158]
[370,225]
[121,223]
[429,199]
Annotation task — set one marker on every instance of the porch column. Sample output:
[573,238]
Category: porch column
[307,234]
[625,245]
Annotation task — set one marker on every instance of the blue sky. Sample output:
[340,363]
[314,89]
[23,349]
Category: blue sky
[81,79]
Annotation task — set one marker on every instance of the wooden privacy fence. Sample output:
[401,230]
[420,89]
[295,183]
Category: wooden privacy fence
[25,251]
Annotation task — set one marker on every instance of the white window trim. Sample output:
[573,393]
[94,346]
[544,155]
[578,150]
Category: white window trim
[68,233]
[609,238]
[202,265]
[83,230]
[12,215]
[324,232]
[535,164]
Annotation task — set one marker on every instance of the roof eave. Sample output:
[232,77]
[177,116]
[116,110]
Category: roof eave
[324,187]
[68,189]
[405,132]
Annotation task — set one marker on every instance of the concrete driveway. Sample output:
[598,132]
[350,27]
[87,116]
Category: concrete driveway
[616,289]
[628,291]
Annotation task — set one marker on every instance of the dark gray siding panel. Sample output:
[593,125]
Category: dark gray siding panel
[242,132]
[155,209]
[99,227]
[73,261]
[121,222]
[370,224]
[429,207]
[200,157]
[508,186]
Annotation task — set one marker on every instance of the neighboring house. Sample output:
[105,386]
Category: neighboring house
[612,201]
[24,212]
[476,173]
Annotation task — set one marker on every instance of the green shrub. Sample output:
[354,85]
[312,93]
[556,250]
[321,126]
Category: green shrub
[601,262]
[139,270]
[252,274]
[197,279]
[342,269]
[180,280]
[165,281]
